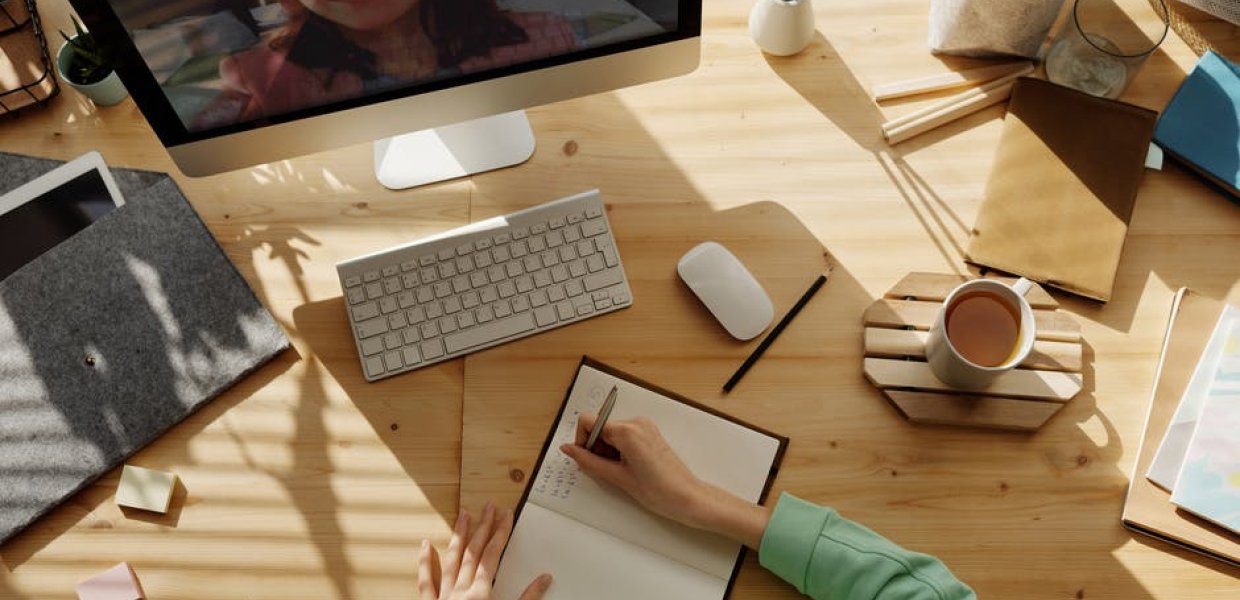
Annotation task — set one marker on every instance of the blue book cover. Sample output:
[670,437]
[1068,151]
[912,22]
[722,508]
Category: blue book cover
[1201,125]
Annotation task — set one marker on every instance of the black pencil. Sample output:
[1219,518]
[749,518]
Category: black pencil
[766,343]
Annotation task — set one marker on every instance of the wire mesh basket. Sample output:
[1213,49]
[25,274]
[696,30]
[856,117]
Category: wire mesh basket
[26,75]
[1228,10]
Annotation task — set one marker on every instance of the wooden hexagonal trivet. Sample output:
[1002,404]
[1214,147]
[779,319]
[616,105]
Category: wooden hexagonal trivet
[896,328]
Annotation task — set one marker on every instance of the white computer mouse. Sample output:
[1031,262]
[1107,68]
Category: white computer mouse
[727,289]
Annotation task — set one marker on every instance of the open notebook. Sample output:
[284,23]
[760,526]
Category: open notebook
[598,543]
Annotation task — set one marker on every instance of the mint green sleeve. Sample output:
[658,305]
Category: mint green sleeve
[828,557]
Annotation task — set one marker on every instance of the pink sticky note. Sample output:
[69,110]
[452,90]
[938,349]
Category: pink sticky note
[117,583]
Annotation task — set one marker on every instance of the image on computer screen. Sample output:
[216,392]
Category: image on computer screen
[226,62]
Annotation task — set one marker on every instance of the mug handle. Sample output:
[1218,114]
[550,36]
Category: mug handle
[1022,286]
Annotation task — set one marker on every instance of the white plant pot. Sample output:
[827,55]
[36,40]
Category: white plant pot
[782,27]
[103,93]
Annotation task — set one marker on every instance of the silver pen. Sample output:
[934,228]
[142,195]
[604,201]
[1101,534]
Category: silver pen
[603,413]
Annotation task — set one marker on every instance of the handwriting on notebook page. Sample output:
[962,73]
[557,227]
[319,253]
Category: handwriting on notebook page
[559,474]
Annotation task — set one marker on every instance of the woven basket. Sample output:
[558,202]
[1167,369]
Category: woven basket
[1228,10]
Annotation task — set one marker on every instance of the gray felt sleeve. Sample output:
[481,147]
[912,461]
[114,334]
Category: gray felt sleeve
[113,337]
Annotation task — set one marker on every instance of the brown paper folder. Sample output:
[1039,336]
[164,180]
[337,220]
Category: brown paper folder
[1148,508]
[1065,178]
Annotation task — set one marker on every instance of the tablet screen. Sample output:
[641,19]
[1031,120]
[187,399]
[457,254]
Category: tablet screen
[29,230]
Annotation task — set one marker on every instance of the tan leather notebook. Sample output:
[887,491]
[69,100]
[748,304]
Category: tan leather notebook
[1148,508]
[1058,202]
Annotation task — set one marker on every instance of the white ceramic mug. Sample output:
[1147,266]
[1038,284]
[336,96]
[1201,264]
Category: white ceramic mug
[959,372]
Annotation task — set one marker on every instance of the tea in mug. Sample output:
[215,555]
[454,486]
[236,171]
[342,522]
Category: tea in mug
[984,328]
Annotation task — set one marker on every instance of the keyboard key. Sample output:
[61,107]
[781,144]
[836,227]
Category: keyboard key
[496,274]
[369,310]
[373,290]
[537,244]
[519,249]
[532,263]
[410,355]
[542,279]
[585,248]
[397,320]
[520,304]
[406,299]
[572,234]
[461,285]
[371,276]
[605,303]
[577,269]
[556,293]
[356,295]
[594,212]
[483,260]
[374,366]
[409,265]
[452,305]
[486,314]
[502,238]
[584,309]
[351,282]
[429,276]
[446,270]
[609,254]
[550,259]
[393,361]
[555,239]
[558,222]
[410,280]
[514,268]
[500,254]
[502,310]
[482,244]
[520,233]
[372,346]
[387,304]
[574,218]
[464,265]
[470,300]
[602,280]
[429,330]
[477,279]
[559,274]
[488,294]
[524,284]
[415,315]
[411,336]
[425,295]
[566,311]
[391,341]
[507,289]
[372,327]
[426,261]
[465,320]
[538,298]
[538,229]
[445,254]
[433,310]
[447,324]
[593,228]
[567,253]
[443,289]
[464,249]
[544,316]
[391,271]
[620,299]
[491,332]
[432,349]
[595,263]
[573,289]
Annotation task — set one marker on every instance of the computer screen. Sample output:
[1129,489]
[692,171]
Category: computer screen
[223,66]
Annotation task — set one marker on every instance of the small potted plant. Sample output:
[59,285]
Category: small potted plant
[81,63]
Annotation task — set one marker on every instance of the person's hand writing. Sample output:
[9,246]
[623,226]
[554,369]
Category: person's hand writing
[639,461]
[467,568]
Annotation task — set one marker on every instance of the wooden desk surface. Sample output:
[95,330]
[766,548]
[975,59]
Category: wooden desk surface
[306,482]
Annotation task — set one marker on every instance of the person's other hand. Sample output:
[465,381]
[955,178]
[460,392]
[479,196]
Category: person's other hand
[467,568]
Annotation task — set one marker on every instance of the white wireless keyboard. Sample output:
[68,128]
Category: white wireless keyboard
[483,284]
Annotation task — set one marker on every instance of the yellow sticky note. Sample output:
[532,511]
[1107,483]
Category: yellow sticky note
[145,489]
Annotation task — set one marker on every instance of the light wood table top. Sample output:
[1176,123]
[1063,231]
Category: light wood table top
[306,482]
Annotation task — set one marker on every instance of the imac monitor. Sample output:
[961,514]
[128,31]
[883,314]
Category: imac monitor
[233,83]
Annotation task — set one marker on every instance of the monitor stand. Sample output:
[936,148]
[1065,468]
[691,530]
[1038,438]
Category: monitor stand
[452,151]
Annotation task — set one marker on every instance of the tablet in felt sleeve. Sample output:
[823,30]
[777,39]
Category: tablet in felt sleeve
[1061,193]
[1201,125]
[112,337]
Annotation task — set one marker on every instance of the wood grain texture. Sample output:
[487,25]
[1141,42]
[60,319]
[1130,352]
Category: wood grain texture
[1051,325]
[903,343]
[1017,383]
[934,287]
[305,482]
[975,411]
